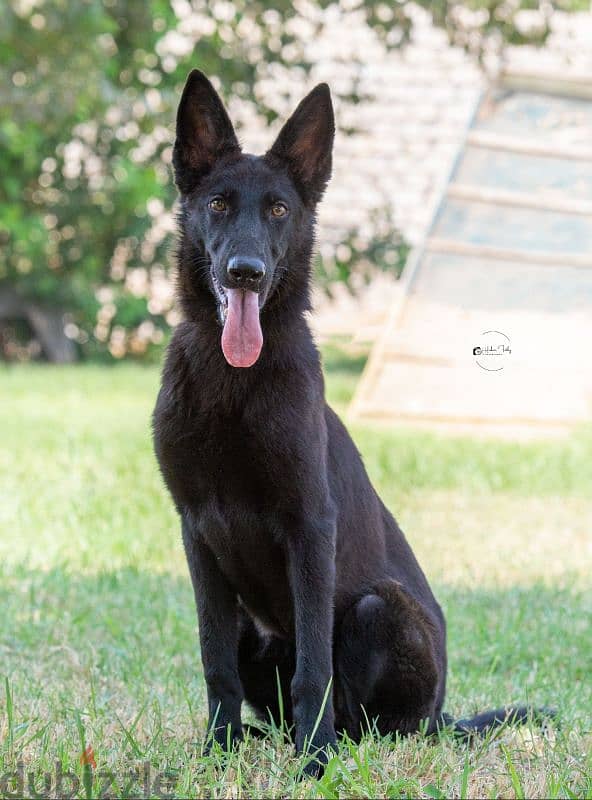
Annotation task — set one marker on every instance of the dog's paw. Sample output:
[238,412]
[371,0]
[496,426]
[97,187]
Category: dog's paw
[315,763]
[315,766]
[225,738]
[317,754]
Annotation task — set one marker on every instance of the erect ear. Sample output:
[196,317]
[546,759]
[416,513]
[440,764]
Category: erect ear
[204,132]
[305,143]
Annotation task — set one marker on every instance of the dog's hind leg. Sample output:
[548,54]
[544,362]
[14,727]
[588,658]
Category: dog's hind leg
[386,667]
[263,660]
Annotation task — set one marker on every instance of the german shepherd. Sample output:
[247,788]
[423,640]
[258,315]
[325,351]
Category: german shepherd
[311,603]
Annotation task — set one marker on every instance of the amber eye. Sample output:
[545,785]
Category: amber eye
[279,210]
[217,204]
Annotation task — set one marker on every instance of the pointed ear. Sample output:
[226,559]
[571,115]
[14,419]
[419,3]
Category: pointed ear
[305,144]
[204,132]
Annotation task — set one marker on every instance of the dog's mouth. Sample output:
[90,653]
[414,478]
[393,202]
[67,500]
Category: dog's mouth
[221,297]
[242,338]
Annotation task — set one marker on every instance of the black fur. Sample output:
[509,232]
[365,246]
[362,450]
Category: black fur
[299,569]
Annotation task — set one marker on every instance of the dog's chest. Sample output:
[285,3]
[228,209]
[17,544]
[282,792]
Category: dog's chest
[238,488]
[248,548]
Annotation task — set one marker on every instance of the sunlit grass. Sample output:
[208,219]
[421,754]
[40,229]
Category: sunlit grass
[99,623]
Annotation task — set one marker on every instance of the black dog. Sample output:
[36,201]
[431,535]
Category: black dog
[299,570]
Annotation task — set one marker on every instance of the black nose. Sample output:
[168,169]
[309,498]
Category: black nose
[245,271]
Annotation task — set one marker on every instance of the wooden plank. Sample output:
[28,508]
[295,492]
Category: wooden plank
[549,82]
[533,175]
[502,197]
[515,228]
[515,430]
[386,413]
[437,244]
[514,144]
[466,392]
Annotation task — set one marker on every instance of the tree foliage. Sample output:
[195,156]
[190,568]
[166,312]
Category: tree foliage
[86,130]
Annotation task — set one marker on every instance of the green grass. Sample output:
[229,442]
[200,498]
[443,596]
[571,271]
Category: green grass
[98,640]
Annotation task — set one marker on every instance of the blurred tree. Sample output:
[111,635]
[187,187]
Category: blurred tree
[86,116]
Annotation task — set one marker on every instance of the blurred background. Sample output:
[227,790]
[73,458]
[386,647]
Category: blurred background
[86,125]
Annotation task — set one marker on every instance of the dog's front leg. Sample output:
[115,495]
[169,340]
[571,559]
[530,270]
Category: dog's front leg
[311,570]
[218,632]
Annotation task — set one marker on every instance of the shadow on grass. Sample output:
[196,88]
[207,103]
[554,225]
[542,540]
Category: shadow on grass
[138,629]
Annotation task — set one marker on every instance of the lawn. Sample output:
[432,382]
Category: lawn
[98,643]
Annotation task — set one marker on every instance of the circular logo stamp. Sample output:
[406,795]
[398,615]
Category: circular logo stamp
[492,351]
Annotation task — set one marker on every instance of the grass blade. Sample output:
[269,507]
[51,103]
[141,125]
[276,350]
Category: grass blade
[514,777]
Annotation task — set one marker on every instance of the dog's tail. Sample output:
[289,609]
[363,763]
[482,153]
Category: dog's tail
[487,721]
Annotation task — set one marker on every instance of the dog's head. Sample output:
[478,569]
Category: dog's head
[248,220]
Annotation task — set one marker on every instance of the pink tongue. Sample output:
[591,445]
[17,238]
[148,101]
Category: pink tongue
[242,339]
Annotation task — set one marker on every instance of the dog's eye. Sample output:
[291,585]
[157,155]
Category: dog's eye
[217,204]
[279,210]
